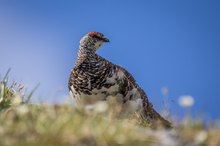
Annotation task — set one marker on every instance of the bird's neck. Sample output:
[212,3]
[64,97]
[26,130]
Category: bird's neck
[86,52]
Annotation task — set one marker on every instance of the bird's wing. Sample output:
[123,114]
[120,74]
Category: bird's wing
[148,107]
[132,81]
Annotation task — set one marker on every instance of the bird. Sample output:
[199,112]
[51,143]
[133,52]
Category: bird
[94,78]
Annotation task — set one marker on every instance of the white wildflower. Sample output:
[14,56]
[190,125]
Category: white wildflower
[23,109]
[186,101]
[165,91]
[201,137]
[89,108]
[101,107]
[17,100]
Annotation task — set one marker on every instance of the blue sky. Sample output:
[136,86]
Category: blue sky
[173,44]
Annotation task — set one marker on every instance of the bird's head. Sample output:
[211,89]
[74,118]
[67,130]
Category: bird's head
[93,40]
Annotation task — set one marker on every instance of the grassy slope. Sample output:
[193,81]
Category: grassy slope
[24,124]
[52,125]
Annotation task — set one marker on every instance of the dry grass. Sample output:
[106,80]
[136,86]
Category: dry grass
[25,124]
[50,125]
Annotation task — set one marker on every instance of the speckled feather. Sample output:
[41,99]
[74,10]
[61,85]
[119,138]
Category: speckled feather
[94,76]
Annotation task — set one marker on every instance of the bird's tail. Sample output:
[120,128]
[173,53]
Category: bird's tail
[166,124]
[154,118]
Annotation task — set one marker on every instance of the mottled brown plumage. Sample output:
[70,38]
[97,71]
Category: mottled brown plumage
[94,77]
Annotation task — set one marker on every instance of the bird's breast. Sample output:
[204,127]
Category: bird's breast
[101,87]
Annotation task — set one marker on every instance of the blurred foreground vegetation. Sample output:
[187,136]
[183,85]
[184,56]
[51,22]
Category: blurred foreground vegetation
[25,124]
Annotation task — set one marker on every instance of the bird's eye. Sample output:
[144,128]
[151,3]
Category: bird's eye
[97,37]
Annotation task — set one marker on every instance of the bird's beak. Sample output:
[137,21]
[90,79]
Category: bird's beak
[105,39]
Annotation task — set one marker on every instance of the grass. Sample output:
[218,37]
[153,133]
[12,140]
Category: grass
[26,124]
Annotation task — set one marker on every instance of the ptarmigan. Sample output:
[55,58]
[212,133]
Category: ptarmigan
[95,78]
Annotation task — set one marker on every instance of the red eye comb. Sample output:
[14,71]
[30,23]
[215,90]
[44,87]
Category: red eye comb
[96,34]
